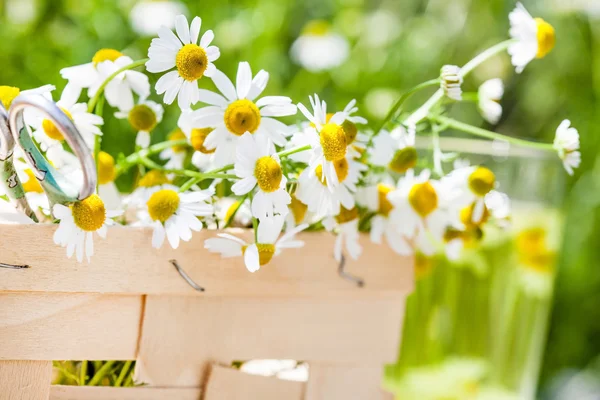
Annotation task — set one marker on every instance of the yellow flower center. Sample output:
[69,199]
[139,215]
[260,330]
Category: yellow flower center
[466,216]
[268,174]
[298,209]
[163,204]
[191,62]
[545,37]
[153,178]
[341,170]
[350,130]
[242,116]
[423,198]
[178,134]
[89,214]
[423,265]
[316,28]
[106,168]
[385,206]
[32,185]
[265,252]
[333,140]
[142,118]
[51,130]
[346,215]
[8,94]
[198,137]
[481,181]
[106,55]
[533,252]
[403,160]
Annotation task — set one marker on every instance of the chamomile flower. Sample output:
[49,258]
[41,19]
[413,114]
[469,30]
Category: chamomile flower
[150,183]
[175,155]
[536,261]
[298,213]
[190,60]
[258,166]
[346,225]
[175,215]
[267,245]
[119,91]
[320,196]
[395,150]
[420,208]
[451,81]
[475,190]
[9,93]
[489,95]
[375,198]
[78,224]
[236,112]
[143,117]
[566,143]
[49,136]
[203,158]
[333,144]
[534,37]
[319,48]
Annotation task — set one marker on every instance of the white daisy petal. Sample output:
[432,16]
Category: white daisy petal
[243,80]
[224,85]
[251,258]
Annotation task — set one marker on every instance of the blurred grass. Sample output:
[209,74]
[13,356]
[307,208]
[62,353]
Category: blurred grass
[394,45]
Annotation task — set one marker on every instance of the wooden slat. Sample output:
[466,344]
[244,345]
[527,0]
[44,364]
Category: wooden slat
[230,384]
[335,382]
[60,392]
[69,326]
[187,333]
[25,380]
[126,263]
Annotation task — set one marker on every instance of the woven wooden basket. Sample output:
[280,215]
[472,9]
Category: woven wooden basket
[130,303]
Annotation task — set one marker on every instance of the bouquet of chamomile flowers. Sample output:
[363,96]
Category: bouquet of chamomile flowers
[331,170]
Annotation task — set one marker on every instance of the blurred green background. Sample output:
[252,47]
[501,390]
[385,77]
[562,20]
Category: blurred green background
[393,45]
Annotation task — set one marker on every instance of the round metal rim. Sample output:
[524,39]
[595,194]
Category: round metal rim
[65,126]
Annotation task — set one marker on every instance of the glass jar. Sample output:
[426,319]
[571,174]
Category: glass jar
[475,328]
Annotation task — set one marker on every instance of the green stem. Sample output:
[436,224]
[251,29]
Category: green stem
[422,112]
[396,107]
[255,227]
[473,130]
[94,100]
[123,373]
[134,158]
[83,373]
[68,374]
[129,380]
[295,150]
[473,97]
[98,376]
